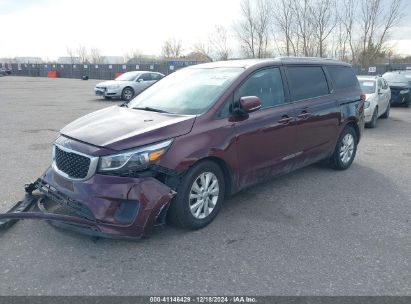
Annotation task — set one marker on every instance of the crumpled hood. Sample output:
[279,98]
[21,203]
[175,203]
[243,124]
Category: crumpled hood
[121,128]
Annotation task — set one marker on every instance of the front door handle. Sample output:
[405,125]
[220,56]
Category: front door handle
[285,120]
[304,115]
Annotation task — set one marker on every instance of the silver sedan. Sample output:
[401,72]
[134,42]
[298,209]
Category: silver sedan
[127,85]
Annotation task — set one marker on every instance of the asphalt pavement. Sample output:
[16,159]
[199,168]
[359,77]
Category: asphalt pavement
[315,231]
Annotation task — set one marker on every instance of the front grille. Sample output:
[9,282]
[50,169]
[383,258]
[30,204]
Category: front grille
[74,165]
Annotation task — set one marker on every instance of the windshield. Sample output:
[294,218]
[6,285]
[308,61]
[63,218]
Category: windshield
[367,86]
[127,76]
[189,91]
[395,77]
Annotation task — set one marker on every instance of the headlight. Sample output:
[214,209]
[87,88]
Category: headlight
[133,160]
[404,91]
[113,86]
[366,105]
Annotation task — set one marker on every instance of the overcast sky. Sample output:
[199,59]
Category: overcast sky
[44,28]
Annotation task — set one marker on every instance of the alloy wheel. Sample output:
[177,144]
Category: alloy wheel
[203,195]
[347,148]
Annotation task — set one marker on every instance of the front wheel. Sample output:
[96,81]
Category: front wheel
[127,94]
[387,112]
[345,149]
[199,196]
[373,121]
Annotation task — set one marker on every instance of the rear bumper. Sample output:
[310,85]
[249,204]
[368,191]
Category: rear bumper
[399,99]
[104,206]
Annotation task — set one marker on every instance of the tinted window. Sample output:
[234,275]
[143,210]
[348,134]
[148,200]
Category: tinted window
[155,76]
[307,82]
[267,85]
[385,84]
[343,77]
[146,77]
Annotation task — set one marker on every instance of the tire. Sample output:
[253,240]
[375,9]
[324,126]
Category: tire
[374,118]
[387,112]
[127,94]
[407,103]
[338,160]
[183,211]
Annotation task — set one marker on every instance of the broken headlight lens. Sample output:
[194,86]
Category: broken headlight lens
[133,160]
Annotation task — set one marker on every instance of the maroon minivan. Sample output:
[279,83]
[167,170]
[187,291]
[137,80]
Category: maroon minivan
[202,133]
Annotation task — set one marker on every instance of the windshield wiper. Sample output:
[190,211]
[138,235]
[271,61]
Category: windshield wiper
[151,109]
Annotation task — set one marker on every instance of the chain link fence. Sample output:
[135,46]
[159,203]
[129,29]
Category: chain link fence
[109,71]
[93,71]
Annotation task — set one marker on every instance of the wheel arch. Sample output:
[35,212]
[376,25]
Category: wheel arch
[228,177]
[354,125]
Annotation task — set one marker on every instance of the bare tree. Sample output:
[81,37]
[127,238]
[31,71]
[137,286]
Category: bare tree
[134,55]
[95,56]
[284,24]
[82,54]
[71,54]
[304,27]
[253,28]
[218,42]
[378,17]
[172,48]
[324,20]
[201,51]
[348,16]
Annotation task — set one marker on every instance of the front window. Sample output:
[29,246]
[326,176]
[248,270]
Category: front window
[127,77]
[190,91]
[367,86]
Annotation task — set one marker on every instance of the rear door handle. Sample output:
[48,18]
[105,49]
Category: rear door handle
[285,120]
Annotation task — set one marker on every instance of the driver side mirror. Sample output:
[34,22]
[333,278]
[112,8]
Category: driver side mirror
[140,80]
[250,104]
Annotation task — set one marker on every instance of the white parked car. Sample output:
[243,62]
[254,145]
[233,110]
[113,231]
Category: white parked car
[127,85]
[378,95]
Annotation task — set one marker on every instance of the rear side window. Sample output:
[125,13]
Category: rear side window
[343,77]
[307,82]
[155,76]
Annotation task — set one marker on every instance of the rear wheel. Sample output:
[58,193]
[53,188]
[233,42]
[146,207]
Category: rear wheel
[407,103]
[387,112]
[199,196]
[127,94]
[345,149]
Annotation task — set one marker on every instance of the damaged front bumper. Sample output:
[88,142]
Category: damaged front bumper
[103,206]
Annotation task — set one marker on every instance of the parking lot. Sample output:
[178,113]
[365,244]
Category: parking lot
[313,232]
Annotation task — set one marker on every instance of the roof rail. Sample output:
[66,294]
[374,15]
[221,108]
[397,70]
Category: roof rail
[304,58]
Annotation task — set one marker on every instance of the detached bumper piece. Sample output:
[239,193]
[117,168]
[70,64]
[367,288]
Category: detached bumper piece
[132,217]
[21,206]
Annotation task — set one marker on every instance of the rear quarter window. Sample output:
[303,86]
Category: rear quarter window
[343,77]
[307,82]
